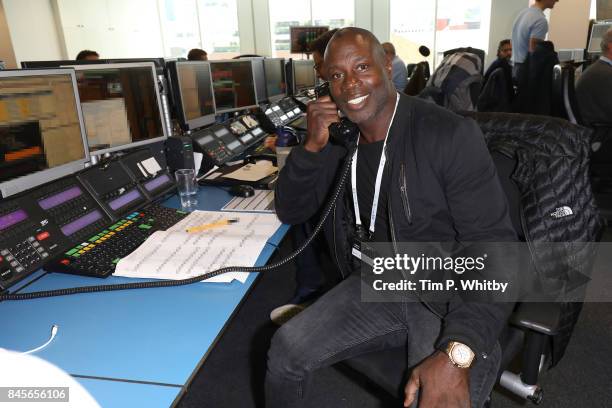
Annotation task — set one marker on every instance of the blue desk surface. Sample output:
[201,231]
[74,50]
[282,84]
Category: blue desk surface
[158,335]
[125,394]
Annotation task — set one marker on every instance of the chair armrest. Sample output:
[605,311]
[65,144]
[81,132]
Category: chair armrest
[543,318]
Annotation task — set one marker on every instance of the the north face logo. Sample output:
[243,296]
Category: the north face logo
[562,212]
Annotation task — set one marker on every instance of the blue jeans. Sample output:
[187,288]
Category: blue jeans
[339,326]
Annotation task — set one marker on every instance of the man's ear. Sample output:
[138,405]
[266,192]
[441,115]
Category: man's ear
[389,67]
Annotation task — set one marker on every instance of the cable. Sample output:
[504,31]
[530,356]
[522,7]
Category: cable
[54,330]
[167,283]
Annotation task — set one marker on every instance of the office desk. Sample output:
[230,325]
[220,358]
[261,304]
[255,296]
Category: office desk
[157,336]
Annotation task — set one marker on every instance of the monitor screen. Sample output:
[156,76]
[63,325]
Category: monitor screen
[233,85]
[303,74]
[121,106]
[276,86]
[302,36]
[60,63]
[41,128]
[192,91]
[260,79]
[597,32]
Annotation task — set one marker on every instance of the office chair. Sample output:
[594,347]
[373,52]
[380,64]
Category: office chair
[478,52]
[564,93]
[537,333]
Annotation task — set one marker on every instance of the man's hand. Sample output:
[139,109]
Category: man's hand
[442,384]
[320,114]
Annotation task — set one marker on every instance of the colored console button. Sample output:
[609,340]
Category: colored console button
[72,251]
[42,236]
[65,262]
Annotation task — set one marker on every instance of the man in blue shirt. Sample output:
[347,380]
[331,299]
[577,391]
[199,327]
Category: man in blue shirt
[399,71]
[529,27]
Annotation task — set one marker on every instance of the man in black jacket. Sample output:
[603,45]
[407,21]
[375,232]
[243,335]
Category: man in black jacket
[438,184]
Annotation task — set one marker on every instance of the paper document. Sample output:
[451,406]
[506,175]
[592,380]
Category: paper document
[253,171]
[177,254]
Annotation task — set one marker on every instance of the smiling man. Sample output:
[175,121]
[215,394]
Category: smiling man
[420,174]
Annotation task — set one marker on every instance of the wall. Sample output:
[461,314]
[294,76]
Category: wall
[503,13]
[569,24]
[604,9]
[6,46]
[33,30]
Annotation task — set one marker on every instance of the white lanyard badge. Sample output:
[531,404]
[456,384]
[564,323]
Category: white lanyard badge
[379,173]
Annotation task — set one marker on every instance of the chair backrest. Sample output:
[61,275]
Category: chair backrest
[478,52]
[410,69]
[456,83]
[418,79]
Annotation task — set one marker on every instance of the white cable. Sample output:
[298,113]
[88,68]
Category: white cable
[54,330]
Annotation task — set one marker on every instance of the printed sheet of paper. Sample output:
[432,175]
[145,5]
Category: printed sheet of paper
[253,172]
[177,254]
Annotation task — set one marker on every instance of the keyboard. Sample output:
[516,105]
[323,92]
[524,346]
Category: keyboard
[98,255]
[261,201]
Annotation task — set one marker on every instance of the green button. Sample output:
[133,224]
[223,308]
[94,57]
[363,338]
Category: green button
[116,260]
[76,255]
[93,239]
[151,220]
[181,212]
[72,251]
[113,227]
[144,226]
[104,232]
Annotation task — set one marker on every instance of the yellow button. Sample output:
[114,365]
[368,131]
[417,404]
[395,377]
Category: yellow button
[103,238]
[111,233]
[99,241]
[81,251]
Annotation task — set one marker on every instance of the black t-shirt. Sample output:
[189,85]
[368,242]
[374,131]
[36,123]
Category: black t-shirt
[368,159]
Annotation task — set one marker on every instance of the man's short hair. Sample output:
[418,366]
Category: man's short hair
[606,39]
[502,43]
[377,48]
[85,54]
[196,54]
[320,43]
[389,48]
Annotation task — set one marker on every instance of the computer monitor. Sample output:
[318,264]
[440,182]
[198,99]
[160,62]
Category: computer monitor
[192,93]
[304,75]
[233,85]
[42,137]
[302,36]
[121,106]
[597,32]
[260,79]
[276,85]
[60,63]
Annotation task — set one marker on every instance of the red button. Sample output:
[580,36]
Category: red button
[65,261]
[42,236]
[142,214]
[1,258]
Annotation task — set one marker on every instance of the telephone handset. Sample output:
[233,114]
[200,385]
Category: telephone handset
[343,129]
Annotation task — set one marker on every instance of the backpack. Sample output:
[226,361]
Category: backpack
[456,83]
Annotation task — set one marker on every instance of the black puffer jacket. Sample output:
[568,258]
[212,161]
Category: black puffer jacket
[442,187]
[552,172]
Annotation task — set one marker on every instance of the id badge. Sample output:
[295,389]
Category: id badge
[362,251]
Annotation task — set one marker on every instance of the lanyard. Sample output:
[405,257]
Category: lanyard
[379,173]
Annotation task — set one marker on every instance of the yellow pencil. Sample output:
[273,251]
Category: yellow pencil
[215,224]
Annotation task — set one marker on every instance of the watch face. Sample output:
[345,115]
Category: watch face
[461,354]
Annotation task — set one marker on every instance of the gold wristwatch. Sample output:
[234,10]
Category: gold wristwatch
[460,355]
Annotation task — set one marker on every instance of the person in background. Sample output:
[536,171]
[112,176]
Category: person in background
[309,272]
[594,88]
[317,47]
[529,27]
[87,55]
[504,55]
[400,72]
[197,54]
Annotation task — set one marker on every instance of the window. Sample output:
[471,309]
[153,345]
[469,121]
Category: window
[208,24]
[335,14]
[219,28]
[180,28]
[440,25]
